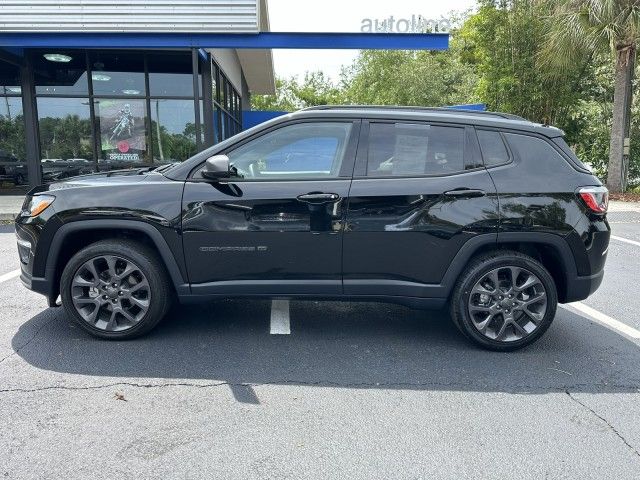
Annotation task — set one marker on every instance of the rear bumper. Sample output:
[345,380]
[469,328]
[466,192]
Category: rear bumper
[579,287]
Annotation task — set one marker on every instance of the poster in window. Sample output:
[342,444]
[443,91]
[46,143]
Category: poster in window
[123,136]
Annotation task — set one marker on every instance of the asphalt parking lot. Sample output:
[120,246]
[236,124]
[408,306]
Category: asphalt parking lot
[355,390]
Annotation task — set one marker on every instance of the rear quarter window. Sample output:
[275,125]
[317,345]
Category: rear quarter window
[537,151]
[494,151]
[568,151]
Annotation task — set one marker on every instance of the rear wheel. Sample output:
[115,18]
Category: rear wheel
[504,300]
[116,289]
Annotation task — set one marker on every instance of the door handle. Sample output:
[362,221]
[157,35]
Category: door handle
[465,192]
[319,197]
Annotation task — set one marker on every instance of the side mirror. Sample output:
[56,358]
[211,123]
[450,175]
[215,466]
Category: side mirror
[217,167]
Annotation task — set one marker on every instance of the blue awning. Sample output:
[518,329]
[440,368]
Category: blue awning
[267,40]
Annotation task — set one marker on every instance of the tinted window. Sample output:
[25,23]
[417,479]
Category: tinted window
[173,128]
[538,152]
[414,149]
[9,79]
[60,72]
[307,150]
[569,151]
[494,151]
[117,73]
[13,165]
[66,146]
[170,74]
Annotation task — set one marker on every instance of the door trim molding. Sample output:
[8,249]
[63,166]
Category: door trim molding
[268,287]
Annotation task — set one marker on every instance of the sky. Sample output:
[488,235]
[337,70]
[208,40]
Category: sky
[340,16]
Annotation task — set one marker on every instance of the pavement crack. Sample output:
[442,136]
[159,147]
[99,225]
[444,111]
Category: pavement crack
[597,415]
[117,384]
[512,389]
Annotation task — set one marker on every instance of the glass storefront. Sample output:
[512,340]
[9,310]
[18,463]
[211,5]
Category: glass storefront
[227,113]
[66,146]
[14,178]
[173,129]
[96,111]
[131,97]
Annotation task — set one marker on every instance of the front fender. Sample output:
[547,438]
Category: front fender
[50,273]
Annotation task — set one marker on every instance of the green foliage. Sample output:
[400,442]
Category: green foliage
[173,146]
[12,141]
[503,40]
[409,78]
[291,94]
[67,137]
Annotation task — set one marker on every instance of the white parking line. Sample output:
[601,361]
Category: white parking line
[626,240]
[605,320]
[9,276]
[280,324]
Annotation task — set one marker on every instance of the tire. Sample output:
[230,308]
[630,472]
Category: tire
[140,300]
[481,313]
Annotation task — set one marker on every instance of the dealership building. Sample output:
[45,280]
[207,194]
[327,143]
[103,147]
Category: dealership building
[99,85]
[103,96]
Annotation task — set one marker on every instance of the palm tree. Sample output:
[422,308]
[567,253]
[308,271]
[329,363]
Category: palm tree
[578,29]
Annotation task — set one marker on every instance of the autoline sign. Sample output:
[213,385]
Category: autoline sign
[413,24]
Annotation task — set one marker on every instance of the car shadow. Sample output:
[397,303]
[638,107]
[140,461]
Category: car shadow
[351,345]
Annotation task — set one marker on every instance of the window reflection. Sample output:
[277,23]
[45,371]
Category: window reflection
[9,79]
[65,73]
[170,75]
[174,130]
[117,73]
[13,166]
[65,138]
[226,106]
[97,110]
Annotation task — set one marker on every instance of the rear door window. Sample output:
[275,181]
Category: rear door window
[414,149]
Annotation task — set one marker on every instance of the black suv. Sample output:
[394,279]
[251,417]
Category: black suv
[487,213]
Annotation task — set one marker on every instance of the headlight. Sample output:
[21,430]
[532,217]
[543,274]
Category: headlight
[35,205]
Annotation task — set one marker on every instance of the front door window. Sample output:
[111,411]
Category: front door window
[302,151]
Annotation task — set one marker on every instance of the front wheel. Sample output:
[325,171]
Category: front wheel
[116,289]
[504,301]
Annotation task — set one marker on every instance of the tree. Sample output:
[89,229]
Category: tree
[401,77]
[580,29]
[502,43]
[291,94]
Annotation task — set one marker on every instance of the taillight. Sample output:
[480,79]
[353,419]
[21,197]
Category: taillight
[595,198]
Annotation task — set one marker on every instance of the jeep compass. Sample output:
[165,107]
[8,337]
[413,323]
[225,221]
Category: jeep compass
[487,214]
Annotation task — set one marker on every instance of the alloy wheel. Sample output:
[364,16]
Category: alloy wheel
[507,303]
[110,293]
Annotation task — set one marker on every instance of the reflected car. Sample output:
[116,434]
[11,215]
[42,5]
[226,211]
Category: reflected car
[59,169]
[12,169]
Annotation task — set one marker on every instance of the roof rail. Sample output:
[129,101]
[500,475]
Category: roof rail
[447,111]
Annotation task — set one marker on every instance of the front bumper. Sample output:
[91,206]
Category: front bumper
[28,232]
[40,285]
